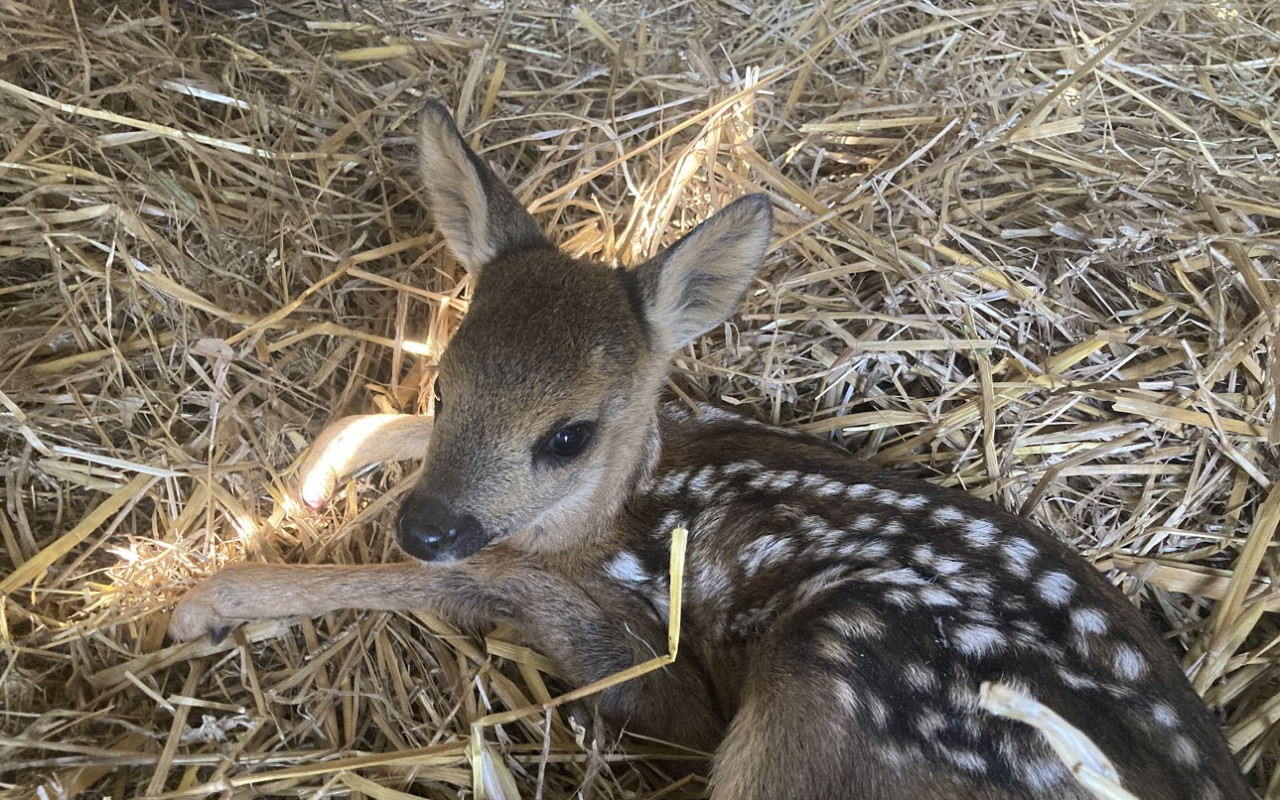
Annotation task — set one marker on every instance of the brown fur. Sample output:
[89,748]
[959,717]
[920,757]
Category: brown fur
[838,619]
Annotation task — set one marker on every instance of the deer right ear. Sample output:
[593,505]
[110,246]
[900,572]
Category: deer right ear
[702,279]
[479,218]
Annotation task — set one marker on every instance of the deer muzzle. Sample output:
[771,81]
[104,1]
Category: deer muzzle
[429,530]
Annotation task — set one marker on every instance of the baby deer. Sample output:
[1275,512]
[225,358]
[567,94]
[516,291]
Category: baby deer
[838,619]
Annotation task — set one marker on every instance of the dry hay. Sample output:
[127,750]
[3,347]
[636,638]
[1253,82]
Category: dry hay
[1026,247]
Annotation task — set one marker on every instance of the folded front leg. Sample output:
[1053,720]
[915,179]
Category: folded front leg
[589,634]
[549,610]
[245,592]
[355,442]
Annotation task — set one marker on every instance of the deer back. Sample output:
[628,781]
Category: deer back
[892,600]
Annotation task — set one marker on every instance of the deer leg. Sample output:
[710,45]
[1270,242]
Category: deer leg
[245,592]
[355,442]
[676,703]
[476,594]
[586,642]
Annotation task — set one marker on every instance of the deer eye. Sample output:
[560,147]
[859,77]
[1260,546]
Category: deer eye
[437,398]
[569,441]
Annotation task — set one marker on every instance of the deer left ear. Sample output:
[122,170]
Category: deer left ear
[701,279]
[477,215]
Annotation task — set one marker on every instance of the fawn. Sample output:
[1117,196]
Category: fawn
[838,618]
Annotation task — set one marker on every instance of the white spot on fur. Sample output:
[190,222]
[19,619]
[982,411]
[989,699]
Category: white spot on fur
[963,696]
[923,554]
[661,603]
[937,596]
[626,568]
[763,551]
[711,582]
[1185,751]
[846,697]
[1018,554]
[888,496]
[670,521]
[825,540]
[784,480]
[1211,792]
[876,710]
[902,755]
[1164,714]
[930,723]
[864,523]
[978,640]
[1028,634]
[708,413]
[857,623]
[1041,774]
[831,489]
[946,565]
[982,616]
[860,705]
[972,585]
[1129,663]
[872,550]
[920,677]
[779,481]
[980,533]
[834,648]
[1055,588]
[816,584]
[948,515]
[703,480]
[966,760]
[1012,604]
[813,525]
[858,490]
[672,483]
[902,576]
[813,481]
[828,489]
[901,598]
[912,502]
[892,528]
[741,468]
[1088,620]
[1075,680]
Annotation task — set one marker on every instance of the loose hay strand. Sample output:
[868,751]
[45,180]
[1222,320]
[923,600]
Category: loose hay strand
[1086,761]
[488,776]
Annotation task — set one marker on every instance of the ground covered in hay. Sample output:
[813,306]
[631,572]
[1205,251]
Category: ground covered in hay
[1026,247]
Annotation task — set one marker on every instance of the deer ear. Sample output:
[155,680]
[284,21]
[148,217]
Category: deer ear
[701,279]
[479,218]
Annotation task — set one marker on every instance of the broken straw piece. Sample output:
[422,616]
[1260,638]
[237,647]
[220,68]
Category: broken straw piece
[1086,761]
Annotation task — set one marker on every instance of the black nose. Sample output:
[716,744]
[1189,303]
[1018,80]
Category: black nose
[428,530]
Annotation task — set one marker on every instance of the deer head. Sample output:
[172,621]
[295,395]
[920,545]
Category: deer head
[546,397]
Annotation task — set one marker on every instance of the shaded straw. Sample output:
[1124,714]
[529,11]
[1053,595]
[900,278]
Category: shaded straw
[1027,249]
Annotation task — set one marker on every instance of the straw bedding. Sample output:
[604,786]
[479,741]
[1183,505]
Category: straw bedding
[1025,247]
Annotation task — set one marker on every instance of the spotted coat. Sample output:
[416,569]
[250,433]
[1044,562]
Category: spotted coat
[897,600]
